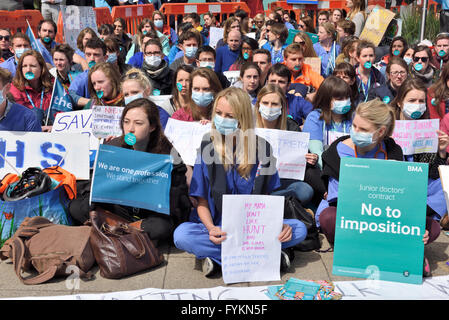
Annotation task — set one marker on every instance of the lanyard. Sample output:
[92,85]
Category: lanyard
[31,101]
[326,130]
[380,149]
[364,89]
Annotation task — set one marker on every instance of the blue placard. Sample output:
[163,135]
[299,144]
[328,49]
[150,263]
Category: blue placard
[132,178]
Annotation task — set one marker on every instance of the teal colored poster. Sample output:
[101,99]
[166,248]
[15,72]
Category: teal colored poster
[380,223]
[132,178]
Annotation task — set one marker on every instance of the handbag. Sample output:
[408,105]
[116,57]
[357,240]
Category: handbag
[293,209]
[120,249]
[49,248]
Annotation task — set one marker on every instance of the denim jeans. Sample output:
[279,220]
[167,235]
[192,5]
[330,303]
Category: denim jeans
[299,189]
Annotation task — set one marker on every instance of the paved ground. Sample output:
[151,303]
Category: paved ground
[183,271]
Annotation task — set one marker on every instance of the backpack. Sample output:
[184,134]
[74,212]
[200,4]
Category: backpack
[293,209]
[51,249]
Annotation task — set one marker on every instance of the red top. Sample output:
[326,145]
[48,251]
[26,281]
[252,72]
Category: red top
[183,114]
[433,110]
[21,97]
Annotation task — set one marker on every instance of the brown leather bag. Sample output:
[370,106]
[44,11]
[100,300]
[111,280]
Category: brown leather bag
[49,248]
[120,249]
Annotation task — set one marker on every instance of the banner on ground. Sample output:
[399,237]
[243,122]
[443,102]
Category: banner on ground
[251,251]
[132,178]
[106,121]
[186,137]
[78,122]
[21,150]
[289,148]
[381,216]
[417,136]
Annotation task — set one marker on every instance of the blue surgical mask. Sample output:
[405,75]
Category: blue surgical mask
[361,139]
[408,60]
[112,57]
[130,99]
[190,52]
[202,99]
[341,106]
[158,23]
[20,51]
[207,64]
[225,125]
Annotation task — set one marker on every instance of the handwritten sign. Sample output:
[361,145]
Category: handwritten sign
[289,148]
[251,251]
[78,122]
[75,19]
[41,149]
[186,137]
[417,136]
[215,35]
[143,182]
[376,25]
[106,121]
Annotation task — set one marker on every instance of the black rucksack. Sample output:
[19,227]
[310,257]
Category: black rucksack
[293,209]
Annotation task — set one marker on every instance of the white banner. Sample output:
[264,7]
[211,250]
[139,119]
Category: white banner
[417,136]
[78,122]
[106,121]
[251,251]
[186,137]
[40,149]
[289,148]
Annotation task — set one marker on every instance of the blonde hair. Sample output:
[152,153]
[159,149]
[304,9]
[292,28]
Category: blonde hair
[379,114]
[245,151]
[282,120]
[137,75]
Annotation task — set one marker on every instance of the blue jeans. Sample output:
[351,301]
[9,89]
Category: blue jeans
[299,189]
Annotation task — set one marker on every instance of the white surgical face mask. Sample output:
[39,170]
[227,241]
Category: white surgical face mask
[414,111]
[269,113]
[207,64]
[153,61]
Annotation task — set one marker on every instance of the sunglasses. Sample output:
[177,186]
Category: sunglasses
[423,59]
[4,38]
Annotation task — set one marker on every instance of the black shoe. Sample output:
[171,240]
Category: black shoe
[209,267]
[285,261]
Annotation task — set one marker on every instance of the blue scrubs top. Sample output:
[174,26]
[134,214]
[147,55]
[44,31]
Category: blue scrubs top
[200,187]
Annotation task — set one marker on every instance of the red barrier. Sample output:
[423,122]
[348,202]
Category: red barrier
[103,16]
[17,20]
[133,15]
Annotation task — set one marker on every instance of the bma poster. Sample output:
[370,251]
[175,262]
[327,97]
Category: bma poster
[380,221]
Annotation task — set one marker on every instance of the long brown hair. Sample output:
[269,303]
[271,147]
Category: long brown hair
[158,142]
[439,89]
[215,87]
[46,80]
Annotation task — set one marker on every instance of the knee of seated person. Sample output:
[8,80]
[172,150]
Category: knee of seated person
[328,216]
[180,236]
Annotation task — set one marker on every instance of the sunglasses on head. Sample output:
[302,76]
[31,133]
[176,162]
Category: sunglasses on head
[423,59]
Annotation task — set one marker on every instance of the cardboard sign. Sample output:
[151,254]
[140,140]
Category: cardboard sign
[381,216]
[106,121]
[78,122]
[417,136]
[251,251]
[376,25]
[132,178]
[314,62]
[289,148]
[21,150]
[186,137]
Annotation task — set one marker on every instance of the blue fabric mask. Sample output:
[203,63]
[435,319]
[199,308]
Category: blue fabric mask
[202,99]
[361,139]
[225,125]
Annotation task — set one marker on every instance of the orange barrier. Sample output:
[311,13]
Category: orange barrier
[133,15]
[17,20]
[60,33]
[103,16]
[219,8]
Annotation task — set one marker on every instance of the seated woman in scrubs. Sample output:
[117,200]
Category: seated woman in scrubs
[331,118]
[202,235]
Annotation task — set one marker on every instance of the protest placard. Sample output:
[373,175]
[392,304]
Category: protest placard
[77,18]
[251,251]
[163,101]
[381,216]
[78,122]
[215,34]
[186,137]
[416,136]
[106,121]
[289,148]
[142,183]
[21,150]
[232,76]
[376,25]
[315,63]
